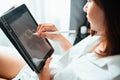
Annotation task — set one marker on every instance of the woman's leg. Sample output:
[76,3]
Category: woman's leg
[10,63]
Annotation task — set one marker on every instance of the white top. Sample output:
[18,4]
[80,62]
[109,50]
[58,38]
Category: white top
[79,64]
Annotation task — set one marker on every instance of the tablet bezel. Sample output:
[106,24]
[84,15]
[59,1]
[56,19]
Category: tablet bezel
[16,42]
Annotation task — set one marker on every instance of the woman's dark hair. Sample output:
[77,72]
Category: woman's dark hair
[111,9]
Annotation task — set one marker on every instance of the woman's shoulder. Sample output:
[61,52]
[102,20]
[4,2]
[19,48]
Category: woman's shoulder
[84,45]
[90,39]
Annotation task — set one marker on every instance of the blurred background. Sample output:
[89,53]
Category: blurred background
[50,11]
[65,14]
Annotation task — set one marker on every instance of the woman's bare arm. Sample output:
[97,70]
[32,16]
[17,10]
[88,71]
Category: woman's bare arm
[10,63]
[47,27]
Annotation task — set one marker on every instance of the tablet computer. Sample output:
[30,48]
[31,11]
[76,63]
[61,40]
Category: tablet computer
[19,26]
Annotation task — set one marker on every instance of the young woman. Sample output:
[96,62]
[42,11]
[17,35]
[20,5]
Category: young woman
[95,57]
[100,57]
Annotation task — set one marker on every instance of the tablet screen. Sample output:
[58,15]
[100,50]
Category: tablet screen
[23,25]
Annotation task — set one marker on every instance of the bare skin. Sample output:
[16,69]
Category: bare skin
[10,64]
[47,27]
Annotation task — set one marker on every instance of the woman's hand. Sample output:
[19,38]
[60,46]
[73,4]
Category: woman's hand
[45,73]
[47,27]
[42,28]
